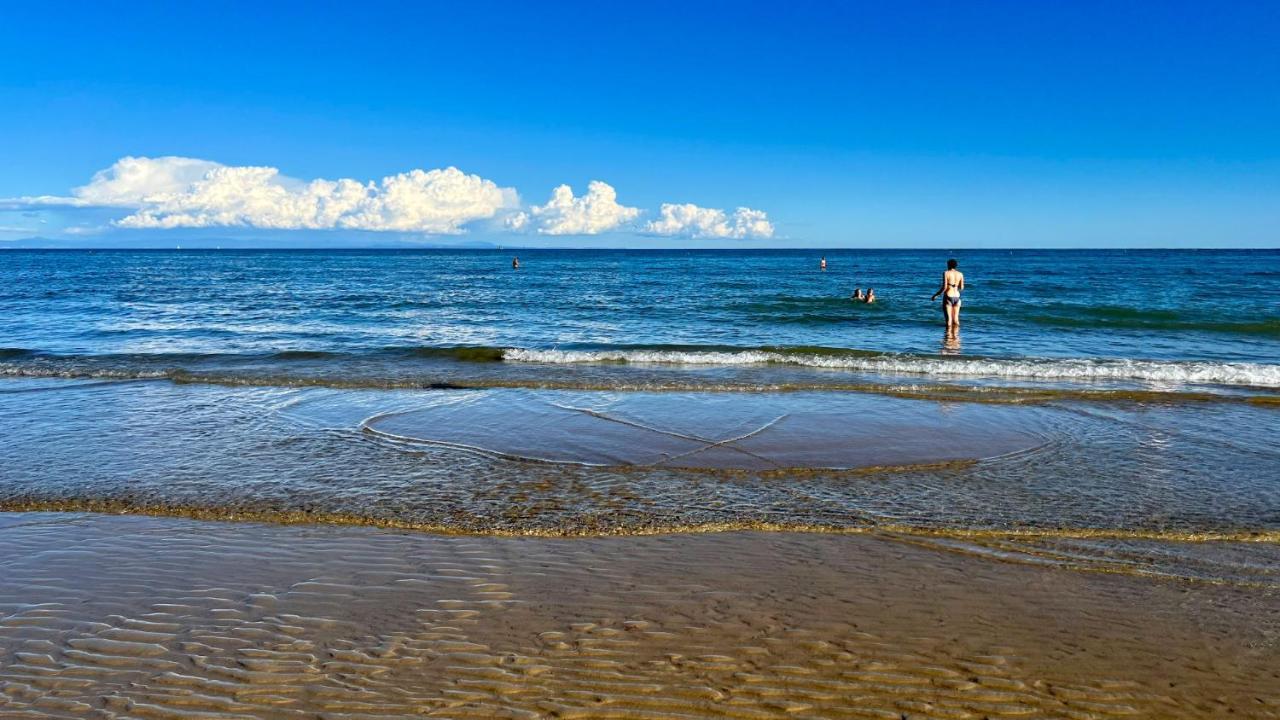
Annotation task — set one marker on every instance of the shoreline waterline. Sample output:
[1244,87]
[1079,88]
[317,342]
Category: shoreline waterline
[849,454]
[20,362]
[554,379]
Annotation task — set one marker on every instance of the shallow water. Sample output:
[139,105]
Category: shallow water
[580,462]
[757,431]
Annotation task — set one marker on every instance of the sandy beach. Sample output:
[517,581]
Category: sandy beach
[136,617]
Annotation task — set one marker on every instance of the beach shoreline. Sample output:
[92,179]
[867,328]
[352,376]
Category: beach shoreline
[1152,490]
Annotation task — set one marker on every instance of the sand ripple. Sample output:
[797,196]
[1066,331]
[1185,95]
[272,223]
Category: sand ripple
[131,617]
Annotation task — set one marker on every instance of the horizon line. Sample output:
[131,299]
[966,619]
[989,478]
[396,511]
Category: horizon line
[504,249]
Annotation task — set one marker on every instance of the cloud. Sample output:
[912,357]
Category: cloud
[84,230]
[128,183]
[595,212]
[180,192]
[176,192]
[516,221]
[435,201]
[699,222]
[132,181]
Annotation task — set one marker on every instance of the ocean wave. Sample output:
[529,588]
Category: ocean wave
[1090,369]
[481,366]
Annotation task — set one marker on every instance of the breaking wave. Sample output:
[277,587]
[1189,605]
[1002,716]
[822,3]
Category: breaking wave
[621,367]
[1175,372]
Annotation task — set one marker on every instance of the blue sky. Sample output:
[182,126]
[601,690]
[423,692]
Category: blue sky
[1027,124]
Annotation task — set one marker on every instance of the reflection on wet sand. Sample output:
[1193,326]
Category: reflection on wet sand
[121,617]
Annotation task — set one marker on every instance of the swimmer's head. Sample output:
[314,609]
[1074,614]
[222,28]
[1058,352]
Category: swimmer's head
[951,264]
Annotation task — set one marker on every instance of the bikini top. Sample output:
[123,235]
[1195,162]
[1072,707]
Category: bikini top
[953,285]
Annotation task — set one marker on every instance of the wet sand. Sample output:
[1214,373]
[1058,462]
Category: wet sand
[137,617]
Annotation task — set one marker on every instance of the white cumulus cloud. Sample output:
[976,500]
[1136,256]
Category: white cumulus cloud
[131,181]
[699,222]
[435,201]
[595,212]
[128,183]
[181,192]
[516,221]
[176,192]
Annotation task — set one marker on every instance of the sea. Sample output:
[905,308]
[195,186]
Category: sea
[1107,410]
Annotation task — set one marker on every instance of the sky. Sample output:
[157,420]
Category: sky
[654,124]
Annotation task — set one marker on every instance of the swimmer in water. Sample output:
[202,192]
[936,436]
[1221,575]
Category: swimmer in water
[952,284]
[857,294]
[823,264]
[871,296]
[515,263]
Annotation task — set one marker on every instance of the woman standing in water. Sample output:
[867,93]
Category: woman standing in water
[952,284]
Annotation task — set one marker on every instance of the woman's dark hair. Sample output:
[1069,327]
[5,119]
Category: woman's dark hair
[951,264]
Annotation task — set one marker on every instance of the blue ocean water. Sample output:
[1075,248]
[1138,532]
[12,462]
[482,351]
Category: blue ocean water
[1122,403]
[1146,318]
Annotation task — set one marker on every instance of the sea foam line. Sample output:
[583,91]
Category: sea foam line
[1199,372]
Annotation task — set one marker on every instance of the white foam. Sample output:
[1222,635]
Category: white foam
[71,373]
[1174,372]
